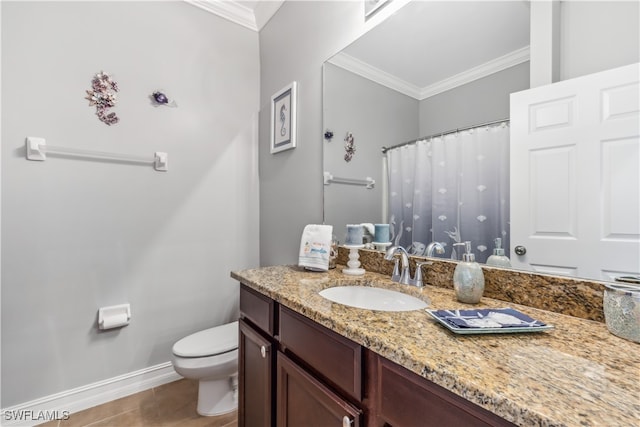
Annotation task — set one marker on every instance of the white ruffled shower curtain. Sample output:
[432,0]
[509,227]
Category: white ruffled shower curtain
[451,189]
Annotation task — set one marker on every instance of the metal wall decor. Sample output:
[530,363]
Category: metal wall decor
[103,95]
[158,98]
[349,147]
[328,135]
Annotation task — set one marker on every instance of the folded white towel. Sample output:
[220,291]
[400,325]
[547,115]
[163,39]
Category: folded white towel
[315,247]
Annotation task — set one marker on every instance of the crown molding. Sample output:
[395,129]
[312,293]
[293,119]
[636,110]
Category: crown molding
[498,64]
[230,10]
[265,10]
[365,70]
[374,74]
[254,19]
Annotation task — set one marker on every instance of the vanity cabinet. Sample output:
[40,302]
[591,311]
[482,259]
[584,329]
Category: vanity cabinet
[292,371]
[256,360]
[295,372]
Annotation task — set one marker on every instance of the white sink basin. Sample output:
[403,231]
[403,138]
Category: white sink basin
[372,298]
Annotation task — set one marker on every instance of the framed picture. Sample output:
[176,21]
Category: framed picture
[283,119]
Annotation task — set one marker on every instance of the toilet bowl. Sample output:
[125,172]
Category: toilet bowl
[211,357]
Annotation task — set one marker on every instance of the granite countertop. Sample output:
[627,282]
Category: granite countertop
[577,374]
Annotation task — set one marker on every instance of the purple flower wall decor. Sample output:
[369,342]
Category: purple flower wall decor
[349,147]
[103,95]
[158,98]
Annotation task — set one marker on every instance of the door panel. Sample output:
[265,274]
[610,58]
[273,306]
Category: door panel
[575,176]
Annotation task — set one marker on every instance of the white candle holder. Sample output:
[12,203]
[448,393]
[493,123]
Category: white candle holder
[382,246]
[354,261]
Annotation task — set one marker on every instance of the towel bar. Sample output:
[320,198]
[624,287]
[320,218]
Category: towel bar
[37,150]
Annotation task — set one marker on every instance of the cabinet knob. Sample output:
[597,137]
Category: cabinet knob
[263,352]
[346,421]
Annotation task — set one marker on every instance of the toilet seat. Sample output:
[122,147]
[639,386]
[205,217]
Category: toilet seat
[210,342]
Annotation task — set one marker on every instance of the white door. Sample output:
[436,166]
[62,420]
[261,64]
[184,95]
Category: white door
[575,176]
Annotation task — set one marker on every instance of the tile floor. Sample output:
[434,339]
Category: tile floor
[172,404]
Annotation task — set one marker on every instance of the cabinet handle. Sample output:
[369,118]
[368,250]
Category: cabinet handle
[346,421]
[263,352]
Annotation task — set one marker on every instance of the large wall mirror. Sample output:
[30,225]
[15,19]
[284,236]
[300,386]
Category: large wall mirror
[431,68]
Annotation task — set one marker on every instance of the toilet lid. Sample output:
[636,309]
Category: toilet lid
[209,342]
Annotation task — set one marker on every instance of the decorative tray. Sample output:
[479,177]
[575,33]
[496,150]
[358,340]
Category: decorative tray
[487,321]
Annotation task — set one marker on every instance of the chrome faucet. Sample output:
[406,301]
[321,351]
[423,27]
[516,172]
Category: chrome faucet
[434,247]
[402,274]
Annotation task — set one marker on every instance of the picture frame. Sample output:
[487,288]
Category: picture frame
[283,118]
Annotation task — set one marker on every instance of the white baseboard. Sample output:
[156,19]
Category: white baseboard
[68,402]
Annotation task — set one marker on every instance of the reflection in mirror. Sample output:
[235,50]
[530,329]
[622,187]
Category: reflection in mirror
[374,115]
[451,189]
[431,68]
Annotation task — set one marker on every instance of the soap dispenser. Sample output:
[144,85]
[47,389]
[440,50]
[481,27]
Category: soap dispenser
[468,279]
[498,259]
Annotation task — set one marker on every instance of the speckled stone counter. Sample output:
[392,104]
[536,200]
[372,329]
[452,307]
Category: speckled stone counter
[577,374]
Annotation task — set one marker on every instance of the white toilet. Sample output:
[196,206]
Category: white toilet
[211,356]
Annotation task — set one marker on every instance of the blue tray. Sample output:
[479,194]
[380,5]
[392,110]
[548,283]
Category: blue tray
[487,321]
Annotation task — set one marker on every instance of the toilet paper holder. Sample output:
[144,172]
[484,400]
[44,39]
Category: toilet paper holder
[114,316]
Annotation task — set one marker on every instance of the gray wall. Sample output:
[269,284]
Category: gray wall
[480,101]
[293,46]
[377,116]
[597,36]
[80,234]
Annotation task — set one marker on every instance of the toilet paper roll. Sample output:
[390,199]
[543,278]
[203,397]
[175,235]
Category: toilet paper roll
[114,321]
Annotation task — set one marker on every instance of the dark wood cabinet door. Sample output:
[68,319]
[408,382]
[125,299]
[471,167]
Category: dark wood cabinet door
[404,398]
[305,401]
[255,378]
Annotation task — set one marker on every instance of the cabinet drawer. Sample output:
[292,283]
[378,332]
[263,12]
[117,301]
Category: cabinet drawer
[334,357]
[405,398]
[257,308]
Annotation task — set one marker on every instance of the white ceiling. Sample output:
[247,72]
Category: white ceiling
[428,41]
[431,46]
[426,47]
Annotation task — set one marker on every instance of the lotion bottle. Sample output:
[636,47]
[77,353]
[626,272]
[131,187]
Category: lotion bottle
[468,279]
[498,259]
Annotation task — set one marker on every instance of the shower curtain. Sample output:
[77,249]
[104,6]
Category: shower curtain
[451,189]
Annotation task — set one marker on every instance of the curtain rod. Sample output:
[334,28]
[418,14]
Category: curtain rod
[413,141]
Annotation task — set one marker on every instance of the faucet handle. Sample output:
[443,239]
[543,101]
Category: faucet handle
[418,280]
[395,276]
